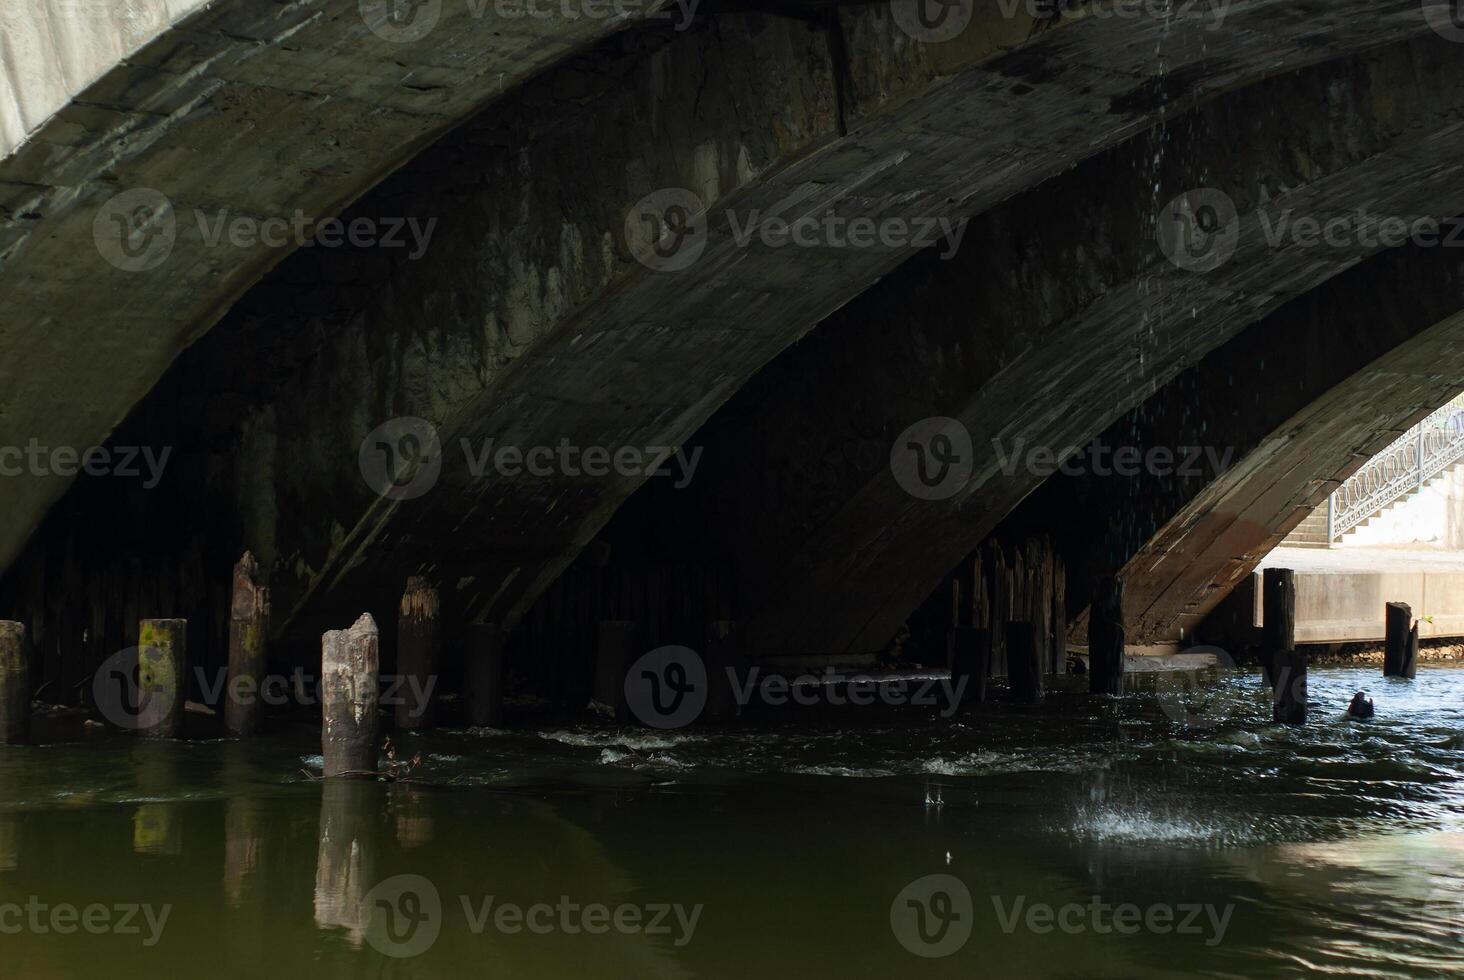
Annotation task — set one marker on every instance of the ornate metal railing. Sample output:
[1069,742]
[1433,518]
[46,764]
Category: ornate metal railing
[1419,455]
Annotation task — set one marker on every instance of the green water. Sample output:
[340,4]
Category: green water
[798,846]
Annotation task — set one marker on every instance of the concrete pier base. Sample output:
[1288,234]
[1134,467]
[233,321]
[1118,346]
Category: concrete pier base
[484,675]
[1024,668]
[614,652]
[970,663]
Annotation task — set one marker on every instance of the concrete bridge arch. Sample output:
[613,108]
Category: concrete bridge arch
[534,330]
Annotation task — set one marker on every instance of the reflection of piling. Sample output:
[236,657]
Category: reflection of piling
[156,826]
[345,858]
[14,685]
[248,626]
[9,842]
[485,675]
[970,663]
[1024,663]
[1400,656]
[1288,668]
[419,650]
[162,671]
[413,816]
[1107,637]
[613,655]
[350,675]
[243,837]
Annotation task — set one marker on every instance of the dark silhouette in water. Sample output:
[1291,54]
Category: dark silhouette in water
[1361,706]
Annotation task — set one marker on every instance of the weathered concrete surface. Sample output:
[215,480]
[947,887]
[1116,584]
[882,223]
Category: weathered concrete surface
[1058,316]
[1248,406]
[1340,593]
[1411,300]
[53,49]
[647,363]
[531,323]
[259,107]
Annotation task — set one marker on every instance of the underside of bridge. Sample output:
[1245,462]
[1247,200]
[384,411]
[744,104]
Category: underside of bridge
[769,320]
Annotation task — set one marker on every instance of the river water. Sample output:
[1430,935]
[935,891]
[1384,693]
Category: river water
[1172,832]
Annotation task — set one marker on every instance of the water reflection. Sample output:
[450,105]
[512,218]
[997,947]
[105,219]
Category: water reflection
[1335,848]
[411,815]
[345,862]
[157,827]
[244,830]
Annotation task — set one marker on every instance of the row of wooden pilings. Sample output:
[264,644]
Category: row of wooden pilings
[350,683]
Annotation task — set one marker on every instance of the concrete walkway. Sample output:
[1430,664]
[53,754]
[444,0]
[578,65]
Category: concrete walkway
[1341,592]
[1366,560]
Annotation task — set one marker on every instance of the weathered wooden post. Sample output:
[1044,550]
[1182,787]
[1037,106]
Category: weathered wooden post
[1024,663]
[613,655]
[1284,665]
[350,678]
[485,675]
[419,651]
[1278,617]
[970,663]
[1107,638]
[162,676]
[248,627]
[14,685]
[725,669]
[1400,656]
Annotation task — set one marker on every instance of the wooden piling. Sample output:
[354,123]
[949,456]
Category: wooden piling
[1400,656]
[349,693]
[15,695]
[162,676]
[1278,616]
[1289,693]
[248,628]
[419,652]
[970,663]
[614,652]
[1024,663]
[485,675]
[1107,637]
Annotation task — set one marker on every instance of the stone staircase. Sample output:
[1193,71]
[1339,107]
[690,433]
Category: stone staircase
[1310,533]
[1414,460]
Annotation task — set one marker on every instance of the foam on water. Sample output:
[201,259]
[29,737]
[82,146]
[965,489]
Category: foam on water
[1114,824]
